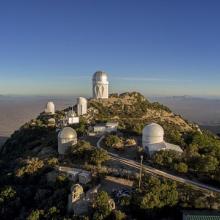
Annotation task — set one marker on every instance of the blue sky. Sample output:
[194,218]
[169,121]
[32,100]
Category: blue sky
[157,47]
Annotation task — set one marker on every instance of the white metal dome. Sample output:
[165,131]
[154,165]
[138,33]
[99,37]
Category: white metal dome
[152,133]
[100,76]
[81,100]
[67,137]
[50,108]
[67,133]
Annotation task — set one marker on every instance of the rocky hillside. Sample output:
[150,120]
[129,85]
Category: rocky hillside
[30,156]
[133,111]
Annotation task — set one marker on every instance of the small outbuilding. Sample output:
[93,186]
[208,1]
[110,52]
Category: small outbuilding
[72,118]
[201,215]
[85,177]
[111,126]
[73,175]
[99,128]
[107,127]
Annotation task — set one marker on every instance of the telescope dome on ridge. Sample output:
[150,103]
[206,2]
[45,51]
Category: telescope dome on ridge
[100,85]
[153,133]
[50,108]
[100,76]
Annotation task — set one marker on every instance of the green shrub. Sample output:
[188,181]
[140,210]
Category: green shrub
[98,156]
[181,167]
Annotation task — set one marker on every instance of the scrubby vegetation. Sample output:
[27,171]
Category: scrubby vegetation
[201,157]
[133,112]
[118,143]
[83,152]
[30,155]
[155,193]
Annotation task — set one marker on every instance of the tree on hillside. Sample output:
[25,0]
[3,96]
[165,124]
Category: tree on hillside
[206,164]
[80,150]
[181,167]
[112,140]
[155,193]
[102,206]
[7,194]
[166,158]
[98,156]
[32,166]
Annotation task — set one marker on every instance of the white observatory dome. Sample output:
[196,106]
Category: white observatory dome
[100,85]
[67,133]
[50,108]
[66,138]
[152,134]
[81,100]
[100,76]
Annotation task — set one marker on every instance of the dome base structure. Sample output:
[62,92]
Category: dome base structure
[151,149]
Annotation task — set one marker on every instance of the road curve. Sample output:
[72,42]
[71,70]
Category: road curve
[155,171]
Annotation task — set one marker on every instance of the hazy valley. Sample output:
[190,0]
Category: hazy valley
[17,110]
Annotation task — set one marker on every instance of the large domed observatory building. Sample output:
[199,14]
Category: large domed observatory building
[100,85]
[153,140]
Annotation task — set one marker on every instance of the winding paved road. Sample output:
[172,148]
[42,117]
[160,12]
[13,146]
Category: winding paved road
[154,171]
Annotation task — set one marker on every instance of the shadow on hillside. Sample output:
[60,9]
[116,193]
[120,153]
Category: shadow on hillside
[2,140]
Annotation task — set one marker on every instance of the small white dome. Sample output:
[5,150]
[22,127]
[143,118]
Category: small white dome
[50,108]
[152,133]
[100,76]
[67,133]
[81,100]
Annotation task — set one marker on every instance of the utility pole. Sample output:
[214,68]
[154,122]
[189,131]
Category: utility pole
[140,175]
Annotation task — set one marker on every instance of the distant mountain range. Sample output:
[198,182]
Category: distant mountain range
[204,111]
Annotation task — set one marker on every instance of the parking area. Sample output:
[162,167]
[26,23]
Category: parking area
[111,184]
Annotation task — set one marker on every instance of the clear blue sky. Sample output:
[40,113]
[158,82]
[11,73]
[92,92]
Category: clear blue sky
[158,47]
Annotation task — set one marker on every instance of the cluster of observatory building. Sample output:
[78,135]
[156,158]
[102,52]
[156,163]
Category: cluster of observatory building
[152,135]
